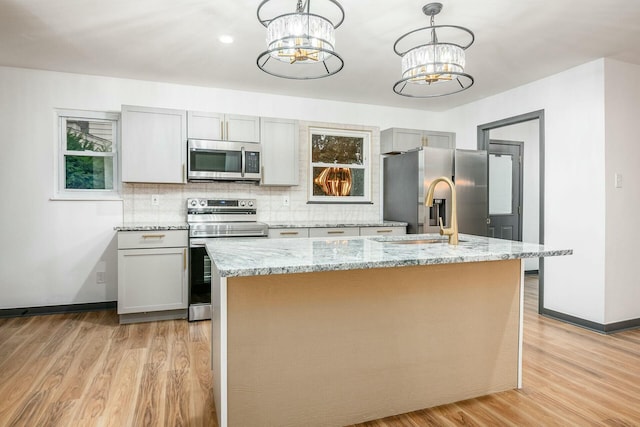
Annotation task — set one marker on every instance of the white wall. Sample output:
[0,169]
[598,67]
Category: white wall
[573,102]
[51,250]
[622,110]
[527,132]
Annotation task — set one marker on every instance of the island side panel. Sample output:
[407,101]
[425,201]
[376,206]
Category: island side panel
[340,347]
[219,344]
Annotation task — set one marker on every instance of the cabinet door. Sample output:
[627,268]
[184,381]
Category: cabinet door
[383,231]
[334,231]
[407,139]
[152,280]
[205,125]
[279,152]
[242,128]
[439,139]
[154,145]
[396,140]
[288,233]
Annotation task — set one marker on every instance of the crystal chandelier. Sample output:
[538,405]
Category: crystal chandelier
[300,44]
[433,67]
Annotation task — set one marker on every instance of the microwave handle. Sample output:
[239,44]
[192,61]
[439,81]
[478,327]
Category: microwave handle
[242,162]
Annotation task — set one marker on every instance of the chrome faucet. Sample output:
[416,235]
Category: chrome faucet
[451,232]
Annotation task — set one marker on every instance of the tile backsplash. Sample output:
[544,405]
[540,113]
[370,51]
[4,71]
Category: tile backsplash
[172,203]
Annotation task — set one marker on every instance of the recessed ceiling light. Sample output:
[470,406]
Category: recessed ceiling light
[226,39]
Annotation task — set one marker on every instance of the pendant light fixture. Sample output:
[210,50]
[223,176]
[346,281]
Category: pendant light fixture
[433,59]
[300,41]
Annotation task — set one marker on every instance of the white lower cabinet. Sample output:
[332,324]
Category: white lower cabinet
[288,233]
[383,231]
[152,275]
[334,232]
[293,232]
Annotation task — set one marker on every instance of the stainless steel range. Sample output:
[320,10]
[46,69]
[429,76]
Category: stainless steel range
[211,219]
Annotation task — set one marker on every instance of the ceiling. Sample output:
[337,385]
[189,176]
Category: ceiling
[177,41]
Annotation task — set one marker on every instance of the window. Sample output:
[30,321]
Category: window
[88,158]
[339,169]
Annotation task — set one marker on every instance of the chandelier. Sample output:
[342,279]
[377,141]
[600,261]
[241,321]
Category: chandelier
[432,67]
[300,42]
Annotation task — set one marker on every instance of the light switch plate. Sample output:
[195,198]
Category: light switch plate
[618,180]
[155,199]
[285,201]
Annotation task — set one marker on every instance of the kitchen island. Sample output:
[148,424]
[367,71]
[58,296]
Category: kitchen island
[339,331]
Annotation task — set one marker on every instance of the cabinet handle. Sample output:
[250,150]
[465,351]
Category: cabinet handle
[289,233]
[184,260]
[153,236]
[227,135]
[221,130]
[384,231]
[335,232]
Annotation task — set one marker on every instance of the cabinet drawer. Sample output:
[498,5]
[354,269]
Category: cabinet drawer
[152,239]
[288,233]
[334,232]
[382,231]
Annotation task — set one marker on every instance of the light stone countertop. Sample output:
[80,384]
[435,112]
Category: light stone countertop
[318,224]
[255,257]
[152,227]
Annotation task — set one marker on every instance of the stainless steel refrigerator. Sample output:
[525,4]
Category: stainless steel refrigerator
[407,177]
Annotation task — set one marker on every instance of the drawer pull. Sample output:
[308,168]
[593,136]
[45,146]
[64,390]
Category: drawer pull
[335,232]
[289,233]
[384,231]
[153,236]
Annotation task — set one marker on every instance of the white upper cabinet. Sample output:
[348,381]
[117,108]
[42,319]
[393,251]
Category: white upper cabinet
[223,127]
[279,152]
[397,140]
[154,145]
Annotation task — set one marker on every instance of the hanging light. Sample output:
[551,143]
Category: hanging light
[432,67]
[335,181]
[300,43]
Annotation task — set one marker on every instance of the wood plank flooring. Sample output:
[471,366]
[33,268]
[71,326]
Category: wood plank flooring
[87,370]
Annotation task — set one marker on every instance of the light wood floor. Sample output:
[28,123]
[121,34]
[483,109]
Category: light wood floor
[86,370]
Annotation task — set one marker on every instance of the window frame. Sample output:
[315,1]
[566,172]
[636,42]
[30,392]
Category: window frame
[366,166]
[62,193]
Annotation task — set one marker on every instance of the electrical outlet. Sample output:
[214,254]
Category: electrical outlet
[155,199]
[285,201]
[100,277]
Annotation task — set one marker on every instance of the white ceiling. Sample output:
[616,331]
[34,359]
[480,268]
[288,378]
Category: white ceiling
[177,41]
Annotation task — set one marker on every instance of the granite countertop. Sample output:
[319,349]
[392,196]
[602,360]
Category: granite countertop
[152,227]
[255,257]
[318,224]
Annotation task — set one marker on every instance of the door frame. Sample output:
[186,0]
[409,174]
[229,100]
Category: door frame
[483,144]
[520,146]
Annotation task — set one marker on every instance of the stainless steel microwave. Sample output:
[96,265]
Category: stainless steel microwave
[223,160]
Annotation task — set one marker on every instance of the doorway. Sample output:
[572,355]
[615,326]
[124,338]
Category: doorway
[505,189]
[531,233]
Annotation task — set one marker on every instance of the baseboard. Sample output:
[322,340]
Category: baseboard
[57,309]
[609,328]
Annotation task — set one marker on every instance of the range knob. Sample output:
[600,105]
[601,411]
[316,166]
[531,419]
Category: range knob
[203,203]
[194,203]
[242,203]
[250,203]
